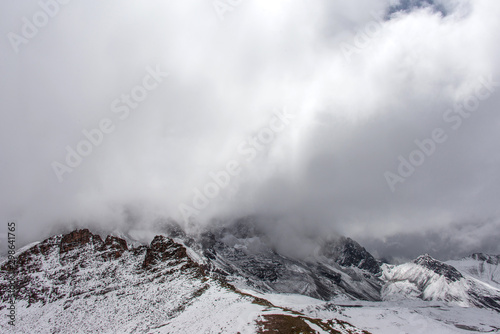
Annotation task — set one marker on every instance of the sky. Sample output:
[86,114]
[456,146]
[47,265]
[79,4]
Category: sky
[374,119]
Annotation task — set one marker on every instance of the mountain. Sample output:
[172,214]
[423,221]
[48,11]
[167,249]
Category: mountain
[340,270]
[485,268]
[242,254]
[78,283]
[231,279]
[431,280]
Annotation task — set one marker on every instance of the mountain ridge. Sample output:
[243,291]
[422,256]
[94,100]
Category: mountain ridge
[175,279]
[77,282]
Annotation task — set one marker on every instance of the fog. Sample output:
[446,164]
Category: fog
[374,119]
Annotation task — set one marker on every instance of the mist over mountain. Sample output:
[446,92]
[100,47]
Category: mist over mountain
[373,120]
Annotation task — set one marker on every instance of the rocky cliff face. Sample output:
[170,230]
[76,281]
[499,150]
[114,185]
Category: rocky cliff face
[163,249]
[440,268]
[348,253]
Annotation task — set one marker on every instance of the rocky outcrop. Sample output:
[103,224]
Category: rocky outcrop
[113,248]
[163,249]
[450,273]
[78,258]
[79,238]
[491,259]
[348,253]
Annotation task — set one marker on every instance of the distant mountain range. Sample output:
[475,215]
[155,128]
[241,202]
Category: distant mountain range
[228,280]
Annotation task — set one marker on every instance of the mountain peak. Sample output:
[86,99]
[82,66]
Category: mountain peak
[164,249]
[449,272]
[348,253]
[77,239]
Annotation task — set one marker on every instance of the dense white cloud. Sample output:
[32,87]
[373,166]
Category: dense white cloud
[354,113]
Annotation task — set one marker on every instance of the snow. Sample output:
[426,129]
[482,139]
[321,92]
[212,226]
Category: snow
[215,311]
[411,281]
[315,327]
[393,317]
[486,272]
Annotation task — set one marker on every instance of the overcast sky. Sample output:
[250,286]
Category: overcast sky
[375,119]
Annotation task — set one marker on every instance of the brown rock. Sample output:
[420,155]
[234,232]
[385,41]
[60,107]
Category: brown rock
[113,248]
[163,249]
[77,239]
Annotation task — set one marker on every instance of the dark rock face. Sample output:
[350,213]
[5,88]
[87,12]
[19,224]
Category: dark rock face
[76,245]
[163,249]
[348,253]
[113,248]
[77,239]
[491,259]
[481,301]
[450,273]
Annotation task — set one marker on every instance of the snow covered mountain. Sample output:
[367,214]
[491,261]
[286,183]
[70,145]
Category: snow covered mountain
[78,283]
[231,280]
[340,269]
[431,280]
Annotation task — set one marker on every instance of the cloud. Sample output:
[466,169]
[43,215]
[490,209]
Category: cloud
[453,242]
[227,78]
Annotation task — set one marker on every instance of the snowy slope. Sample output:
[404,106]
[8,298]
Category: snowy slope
[415,317]
[394,317]
[485,268]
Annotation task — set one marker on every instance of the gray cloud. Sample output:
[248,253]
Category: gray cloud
[453,242]
[323,174]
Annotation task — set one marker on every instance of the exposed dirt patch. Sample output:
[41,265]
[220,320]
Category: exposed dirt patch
[280,323]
